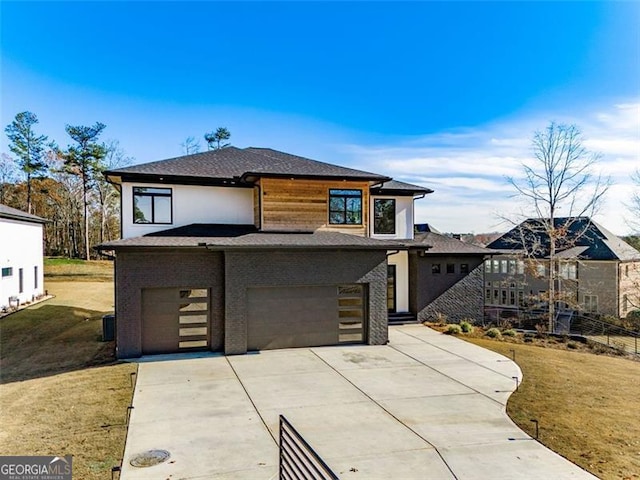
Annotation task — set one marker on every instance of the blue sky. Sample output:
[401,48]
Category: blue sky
[443,94]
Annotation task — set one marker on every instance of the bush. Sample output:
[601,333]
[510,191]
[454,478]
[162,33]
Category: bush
[572,345]
[493,333]
[510,332]
[453,329]
[466,327]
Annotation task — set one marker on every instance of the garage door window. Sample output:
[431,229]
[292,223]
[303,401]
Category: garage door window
[351,313]
[193,316]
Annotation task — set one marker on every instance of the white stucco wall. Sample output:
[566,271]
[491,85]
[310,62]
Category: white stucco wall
[21,248]
[192,204]
[404,218]
[401,261]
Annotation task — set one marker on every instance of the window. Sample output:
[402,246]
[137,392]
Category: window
[626,270]
[384,216]
[540,270]
[520,267]
[503,266]
[625,302]
[35,277]
[7,272]
[568,271]
[496,266]
[20,280]
[512,297]
[345,207]
[487,266]
[487,283]
[512,266]
[152,205]
[521,298]
[435,268]
[487,295]
[503,297]
[464,268]
[451,268]
[591,303]
[495,296]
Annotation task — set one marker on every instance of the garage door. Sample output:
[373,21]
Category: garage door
[302,316]
[175,319]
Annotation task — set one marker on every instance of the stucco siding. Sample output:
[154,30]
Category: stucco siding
[21,248]
[192,204]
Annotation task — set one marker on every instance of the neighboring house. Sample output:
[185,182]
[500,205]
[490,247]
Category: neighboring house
[21,257]
[597,271]
[446,276]
[247,249]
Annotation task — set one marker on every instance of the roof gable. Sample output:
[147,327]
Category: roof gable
[585,239]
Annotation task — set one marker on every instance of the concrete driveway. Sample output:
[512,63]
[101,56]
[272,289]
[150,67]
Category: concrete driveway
[426,406]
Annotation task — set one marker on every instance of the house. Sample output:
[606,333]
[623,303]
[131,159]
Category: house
[445,276]
[597,272]
[247,249]
[21,257]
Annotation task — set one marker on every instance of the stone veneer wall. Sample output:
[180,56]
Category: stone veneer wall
[464,299]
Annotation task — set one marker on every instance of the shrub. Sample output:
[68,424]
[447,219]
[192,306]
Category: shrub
[440,318]
[466,327]
[541,328]
[493,333]
[510,332]
[572,345]
[454,329]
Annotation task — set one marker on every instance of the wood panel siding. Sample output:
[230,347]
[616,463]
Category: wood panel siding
[256,206]
[302,205]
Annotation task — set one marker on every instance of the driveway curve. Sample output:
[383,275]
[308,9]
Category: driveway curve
[425,406]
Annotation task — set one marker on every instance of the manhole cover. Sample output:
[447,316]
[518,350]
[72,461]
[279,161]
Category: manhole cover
[150,458]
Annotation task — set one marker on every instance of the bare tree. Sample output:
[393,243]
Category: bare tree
[634,203]
[190,146]
[559,177]
[107,195]
[7,175]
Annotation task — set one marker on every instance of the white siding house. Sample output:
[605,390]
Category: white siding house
[21,257]
[161,206]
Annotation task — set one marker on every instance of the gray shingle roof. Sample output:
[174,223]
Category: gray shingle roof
[441,244]
[227,237]
[243,164]
[394,187]
[15,214]
[585,239]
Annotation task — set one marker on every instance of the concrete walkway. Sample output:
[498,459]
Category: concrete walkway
[426,406]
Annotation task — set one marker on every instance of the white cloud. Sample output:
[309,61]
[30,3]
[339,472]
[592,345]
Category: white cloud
[468,168]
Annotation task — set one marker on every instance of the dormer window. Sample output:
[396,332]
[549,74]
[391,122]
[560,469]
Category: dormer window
[345,207]
[152,205]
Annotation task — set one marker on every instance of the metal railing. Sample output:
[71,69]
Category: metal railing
[297,459]
[606,334]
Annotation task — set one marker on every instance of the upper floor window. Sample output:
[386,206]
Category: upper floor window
[464,268]
[451,268]
[384,216]
[345,207]
[7,271]
[152,205]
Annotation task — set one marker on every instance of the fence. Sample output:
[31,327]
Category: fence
[297,459]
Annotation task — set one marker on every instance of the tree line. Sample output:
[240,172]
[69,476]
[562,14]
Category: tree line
[64,185]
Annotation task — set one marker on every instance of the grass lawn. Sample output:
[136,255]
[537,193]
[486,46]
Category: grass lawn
[62,391]
[588,405]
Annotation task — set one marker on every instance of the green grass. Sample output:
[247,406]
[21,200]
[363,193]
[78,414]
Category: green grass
[63,392]
[60,269]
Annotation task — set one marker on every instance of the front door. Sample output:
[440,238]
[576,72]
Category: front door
[391,288]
